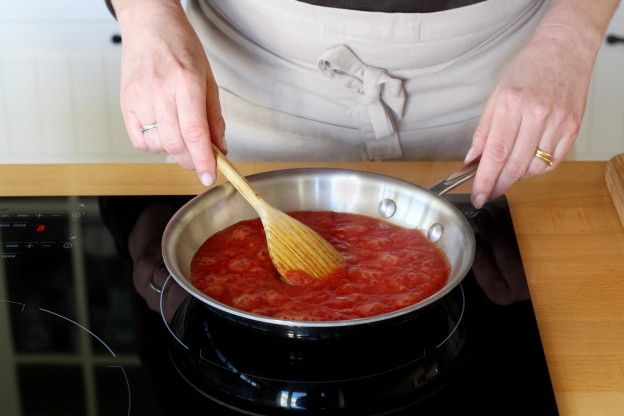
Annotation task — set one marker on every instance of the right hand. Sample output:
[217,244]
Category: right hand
[166,79]
[149,271]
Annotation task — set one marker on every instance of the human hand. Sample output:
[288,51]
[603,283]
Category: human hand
[149,272]
[166,79]
[497,267]
[539,102]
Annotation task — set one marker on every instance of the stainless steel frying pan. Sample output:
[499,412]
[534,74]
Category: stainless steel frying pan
[394,200]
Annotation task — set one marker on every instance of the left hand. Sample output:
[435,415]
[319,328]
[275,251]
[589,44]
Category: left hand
[539,102]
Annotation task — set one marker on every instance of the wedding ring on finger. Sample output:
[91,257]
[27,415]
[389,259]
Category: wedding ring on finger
[153,286]
[148,127]
[544,156]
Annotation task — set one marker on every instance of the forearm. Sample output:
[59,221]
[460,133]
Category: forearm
[578,24]
[143,19]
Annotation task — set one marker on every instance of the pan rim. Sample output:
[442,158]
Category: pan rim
[261,319]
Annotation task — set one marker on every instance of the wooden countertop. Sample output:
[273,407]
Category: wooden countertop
[570,237]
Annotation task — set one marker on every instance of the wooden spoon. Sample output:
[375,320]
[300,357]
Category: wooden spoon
[293,246]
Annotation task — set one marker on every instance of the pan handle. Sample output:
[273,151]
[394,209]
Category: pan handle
[456,178]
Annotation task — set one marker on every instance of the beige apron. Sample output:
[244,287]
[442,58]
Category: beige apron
[302,82]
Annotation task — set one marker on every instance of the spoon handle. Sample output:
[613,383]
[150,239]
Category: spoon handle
[456,178]
[238,181]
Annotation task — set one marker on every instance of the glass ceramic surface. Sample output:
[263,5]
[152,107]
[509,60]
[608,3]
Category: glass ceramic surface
[83,333]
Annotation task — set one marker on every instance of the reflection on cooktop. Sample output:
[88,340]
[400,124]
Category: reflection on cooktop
[81,330]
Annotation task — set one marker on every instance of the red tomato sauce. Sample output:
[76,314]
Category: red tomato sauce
[385,268]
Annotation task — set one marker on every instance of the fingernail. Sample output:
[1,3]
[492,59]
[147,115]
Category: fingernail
[469,155]
[207,179]
[479,200]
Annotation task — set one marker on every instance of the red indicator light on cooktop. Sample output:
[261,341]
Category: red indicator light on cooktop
[41,228]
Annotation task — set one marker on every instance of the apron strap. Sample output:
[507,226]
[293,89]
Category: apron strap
[380,97]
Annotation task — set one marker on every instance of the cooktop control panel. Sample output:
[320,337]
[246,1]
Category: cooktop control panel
[26,229]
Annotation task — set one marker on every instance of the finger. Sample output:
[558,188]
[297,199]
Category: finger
[522,154]
[160,276]
[562,149]
[498,146]
[152,137]
[483,128]
[547,143]
[570,128]
[215,117]
[170,136]
[564,138]
[143,270]
[133,127]
[185,160]
[191,104]
[152,299]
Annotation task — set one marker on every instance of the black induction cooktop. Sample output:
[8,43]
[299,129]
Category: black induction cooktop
[86,329]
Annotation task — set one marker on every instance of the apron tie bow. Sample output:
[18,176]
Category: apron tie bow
[371,91]
[380,98]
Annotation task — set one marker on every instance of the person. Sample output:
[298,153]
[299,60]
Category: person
[303,80]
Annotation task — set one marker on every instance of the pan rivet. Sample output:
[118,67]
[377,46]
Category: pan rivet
[387,208]
[435,232]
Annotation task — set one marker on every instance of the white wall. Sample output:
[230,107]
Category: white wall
[602,133]
[59,82]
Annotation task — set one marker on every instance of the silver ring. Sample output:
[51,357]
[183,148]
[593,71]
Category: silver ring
[148,127]
[153,286]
